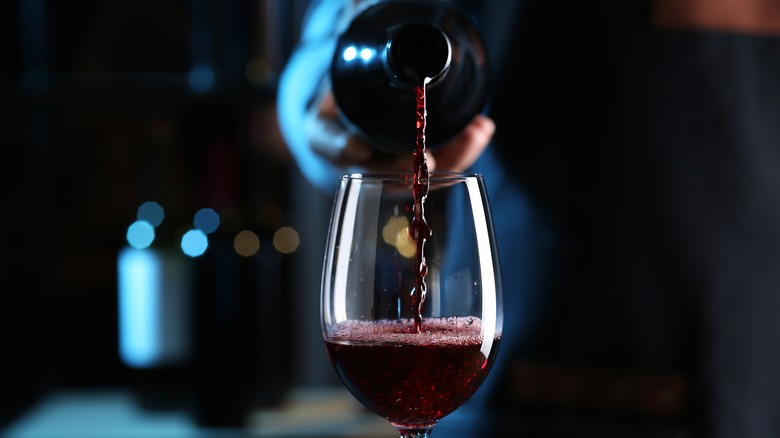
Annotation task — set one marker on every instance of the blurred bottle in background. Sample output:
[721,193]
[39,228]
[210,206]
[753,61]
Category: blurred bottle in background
[154,309]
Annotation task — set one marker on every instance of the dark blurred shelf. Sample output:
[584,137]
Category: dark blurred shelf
[130,89]
[104,105]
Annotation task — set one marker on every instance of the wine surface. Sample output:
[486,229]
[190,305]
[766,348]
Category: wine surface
[407,377]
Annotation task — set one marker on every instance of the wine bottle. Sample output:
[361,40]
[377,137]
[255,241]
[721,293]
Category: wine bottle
[391,47]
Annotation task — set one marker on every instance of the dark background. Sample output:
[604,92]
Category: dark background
[105,105]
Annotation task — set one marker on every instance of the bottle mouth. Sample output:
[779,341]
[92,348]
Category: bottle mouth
[419,52]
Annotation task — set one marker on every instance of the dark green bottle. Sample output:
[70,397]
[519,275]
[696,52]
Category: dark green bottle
[393,46]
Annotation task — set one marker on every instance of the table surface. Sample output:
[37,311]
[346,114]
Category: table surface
[306,412]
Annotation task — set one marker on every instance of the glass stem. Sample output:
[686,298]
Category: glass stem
[415,433]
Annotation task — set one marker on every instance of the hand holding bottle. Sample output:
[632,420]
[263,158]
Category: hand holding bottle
[347,104]
[348,150]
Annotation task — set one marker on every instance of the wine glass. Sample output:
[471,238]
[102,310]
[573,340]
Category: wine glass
[411,300]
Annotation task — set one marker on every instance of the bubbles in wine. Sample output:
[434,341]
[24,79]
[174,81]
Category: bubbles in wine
[453,331]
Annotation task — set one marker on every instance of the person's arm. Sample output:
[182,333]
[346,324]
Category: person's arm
[299,85]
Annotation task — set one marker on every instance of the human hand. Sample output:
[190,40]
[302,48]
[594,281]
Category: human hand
[330,139]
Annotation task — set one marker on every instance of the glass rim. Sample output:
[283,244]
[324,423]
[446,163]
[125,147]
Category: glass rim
[409,176]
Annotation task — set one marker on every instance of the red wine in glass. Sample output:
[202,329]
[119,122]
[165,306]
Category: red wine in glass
[406,377]
[411,371]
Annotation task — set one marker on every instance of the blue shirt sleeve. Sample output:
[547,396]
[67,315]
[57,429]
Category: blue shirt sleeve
[301,80]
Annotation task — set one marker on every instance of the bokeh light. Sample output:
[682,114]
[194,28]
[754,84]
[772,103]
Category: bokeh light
[286,240]
[246,243]
[194,243]
[206,220]
[140,234]
[151,212]
[202,78]
[258,71]
[396,233]
[350,53]
[366,54]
